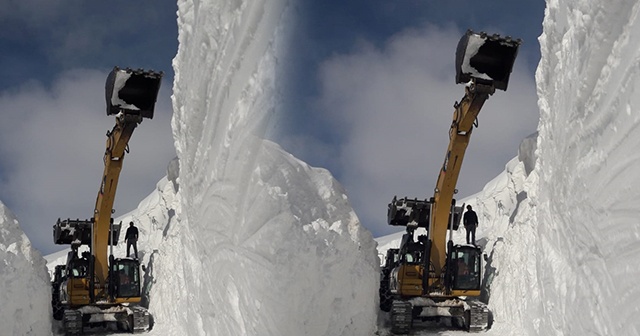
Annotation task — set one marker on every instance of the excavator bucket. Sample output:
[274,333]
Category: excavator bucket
[487,59]
[77,231]
[408,212]
[132,91]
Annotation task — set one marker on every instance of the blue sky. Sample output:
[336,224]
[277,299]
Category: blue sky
[366,84]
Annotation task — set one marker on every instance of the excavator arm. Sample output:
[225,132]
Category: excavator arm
[464,117]
[483,63]
[116,147]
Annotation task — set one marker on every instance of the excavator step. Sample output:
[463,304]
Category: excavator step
[487,59]
[132,91]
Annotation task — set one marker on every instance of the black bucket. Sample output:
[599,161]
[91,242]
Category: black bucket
[132,91]
[486,58]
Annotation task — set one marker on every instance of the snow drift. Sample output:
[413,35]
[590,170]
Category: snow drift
[262,243]
[25,291]
[587,210]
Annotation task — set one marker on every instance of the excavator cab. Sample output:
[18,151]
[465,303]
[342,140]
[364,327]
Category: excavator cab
[126,274]
[465,265]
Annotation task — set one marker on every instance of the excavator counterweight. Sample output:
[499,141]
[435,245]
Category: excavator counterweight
[486,58]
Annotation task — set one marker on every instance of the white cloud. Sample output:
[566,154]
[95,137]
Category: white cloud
[52,143]
[393,106]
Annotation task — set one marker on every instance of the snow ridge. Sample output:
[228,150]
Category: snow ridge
[24,282]
[262,244]
[587,84]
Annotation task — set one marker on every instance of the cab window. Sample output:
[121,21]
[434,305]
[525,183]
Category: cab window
[128,280]
[466,269]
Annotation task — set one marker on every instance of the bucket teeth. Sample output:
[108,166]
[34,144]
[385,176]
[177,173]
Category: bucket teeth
[485,58]
[132,91]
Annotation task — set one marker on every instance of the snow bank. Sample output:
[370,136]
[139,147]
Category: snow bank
[262,244]
[25,291]
[589,185]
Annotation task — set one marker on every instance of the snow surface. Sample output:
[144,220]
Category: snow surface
[243,239]
[25,291]
[265,244]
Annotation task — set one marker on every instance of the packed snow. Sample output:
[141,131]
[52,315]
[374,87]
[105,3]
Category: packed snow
[241,238]
[25,291]
[267,245]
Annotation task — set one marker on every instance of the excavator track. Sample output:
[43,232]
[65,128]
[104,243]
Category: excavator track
[478,316]
[401,317]
[140,319]
[72,322]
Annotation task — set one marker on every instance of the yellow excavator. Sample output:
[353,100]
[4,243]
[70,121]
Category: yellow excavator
[428,277]
[94,288]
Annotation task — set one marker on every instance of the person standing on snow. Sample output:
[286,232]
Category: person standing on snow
[131,238]
[470,221]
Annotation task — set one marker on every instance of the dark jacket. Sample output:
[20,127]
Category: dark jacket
[132,233]
[470,218]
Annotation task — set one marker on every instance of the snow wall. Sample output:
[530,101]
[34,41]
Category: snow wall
[589,186]
[261,244]
[25,291]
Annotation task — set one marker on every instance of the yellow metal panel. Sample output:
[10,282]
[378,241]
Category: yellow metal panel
[129,300]
[465,293]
